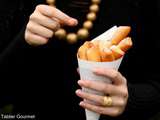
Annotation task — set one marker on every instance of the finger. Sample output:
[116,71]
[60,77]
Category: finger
[99,100]
[40,30]
[100,86]
[45,21]
[54,12]
[34,39]
[112,74]
[111,111]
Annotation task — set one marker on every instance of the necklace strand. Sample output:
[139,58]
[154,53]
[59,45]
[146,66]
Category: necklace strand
[82,33]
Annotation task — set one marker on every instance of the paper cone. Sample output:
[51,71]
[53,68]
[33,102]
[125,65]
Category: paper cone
[91,115]
[86,73]
[86,70]
[107,35]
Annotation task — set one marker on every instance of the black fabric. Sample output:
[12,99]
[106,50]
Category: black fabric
[42,80]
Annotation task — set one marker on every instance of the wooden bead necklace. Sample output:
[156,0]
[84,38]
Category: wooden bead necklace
[82,33]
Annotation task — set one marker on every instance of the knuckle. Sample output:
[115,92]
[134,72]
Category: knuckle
[39,7]
[125,94]
[116,112]
[54,26]
[105,88]
[124,91]
[122,102]
[32,16]
[51,33]
[125,80]
[100,110]
[29,26]
[115,74]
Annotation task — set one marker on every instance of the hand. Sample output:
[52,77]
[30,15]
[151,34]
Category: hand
[43,22]
[117,91]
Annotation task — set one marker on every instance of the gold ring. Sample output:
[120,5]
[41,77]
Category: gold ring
[107,101]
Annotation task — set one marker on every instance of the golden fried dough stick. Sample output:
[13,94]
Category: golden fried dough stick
[107,55]
[96,43]
[83,49]
[125,44]
[93,54]
[117,52]
[104,44]
[120,34]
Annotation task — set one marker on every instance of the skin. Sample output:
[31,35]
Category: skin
[117,91]
[43,22]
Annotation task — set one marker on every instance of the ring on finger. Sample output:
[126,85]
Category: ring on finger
[107,101]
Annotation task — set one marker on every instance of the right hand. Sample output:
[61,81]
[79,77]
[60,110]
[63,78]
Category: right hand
[43,22]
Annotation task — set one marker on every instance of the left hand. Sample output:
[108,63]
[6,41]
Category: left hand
[117,91]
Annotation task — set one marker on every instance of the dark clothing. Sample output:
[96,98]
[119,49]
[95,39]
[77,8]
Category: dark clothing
[42,80]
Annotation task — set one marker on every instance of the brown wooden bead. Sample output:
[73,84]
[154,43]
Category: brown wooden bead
[94,8]
[51,2]
[61,34]
[91,16]
[88,24]
[72,38]
[82,33]
[96,1]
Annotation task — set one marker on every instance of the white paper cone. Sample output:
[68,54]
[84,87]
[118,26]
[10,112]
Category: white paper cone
[107,35]
[86,73]
[91,115]
[86,67]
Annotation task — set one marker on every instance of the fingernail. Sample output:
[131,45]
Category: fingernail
[78,91]
[80,82]
[73,22]
[85,100]
[81,103]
